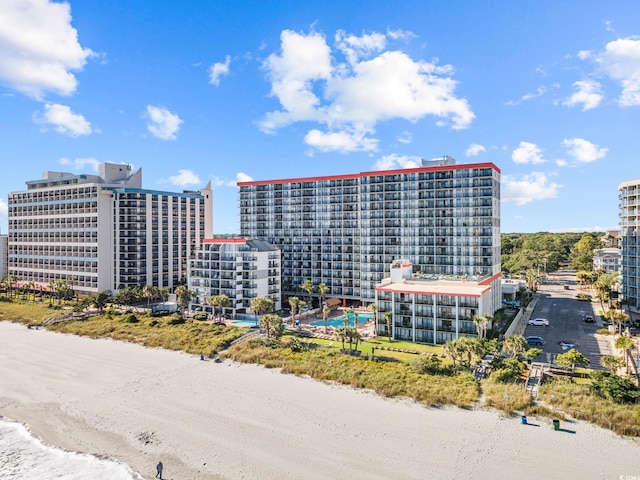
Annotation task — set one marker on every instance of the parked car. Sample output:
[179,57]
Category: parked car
[588,319]
[535,340]
[540,322]
[566,346]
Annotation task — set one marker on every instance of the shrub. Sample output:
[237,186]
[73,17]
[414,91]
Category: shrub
[130,318]
[201,316]
[615,388]
[177,320]
[297,345]
[603,331]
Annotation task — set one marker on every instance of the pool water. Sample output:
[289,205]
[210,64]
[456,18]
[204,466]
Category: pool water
[245,323]
[337,322]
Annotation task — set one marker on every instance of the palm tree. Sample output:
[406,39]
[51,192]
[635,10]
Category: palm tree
[184,295]
[612,362]
[617,317]
[272,324]
[218,301]
[323,289]
[388,316]
[294,303]
[515,345]
[477,321]
[373,308]
[150,292]
[626,344]
[341,334]
[261,305]
[451,350]
[307,286]
[325,316]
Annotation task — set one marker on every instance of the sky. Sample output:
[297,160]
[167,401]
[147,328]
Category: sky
[197,91]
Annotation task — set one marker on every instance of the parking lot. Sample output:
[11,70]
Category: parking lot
[566,320]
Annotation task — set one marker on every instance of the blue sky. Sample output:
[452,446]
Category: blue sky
[192,91]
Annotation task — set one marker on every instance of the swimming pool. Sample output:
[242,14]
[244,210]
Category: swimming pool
[245,323]
[337,322]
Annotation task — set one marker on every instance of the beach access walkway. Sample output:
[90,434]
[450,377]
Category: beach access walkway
[536,375]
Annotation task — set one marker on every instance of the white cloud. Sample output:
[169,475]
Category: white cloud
[39,48]
[394,161]
[185,177]
[620,60]
[81,163]
[243,177]
[342,142]
[584,54]
[561,162]
[4,208]
[528,188]
[474,149]
[405,137]
[354,47]
[583,151]
[162,123]
[538,93]
[588,95]
[372,85]
[400,34]
[527,153]
[64,120]
[218,70]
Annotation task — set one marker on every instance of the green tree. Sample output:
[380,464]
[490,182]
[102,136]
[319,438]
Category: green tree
[260,306]
[272,324]
[294,303]
[571,359]
[612,362]
[151,292]
[307,286]
[323,289]
[99,300]
[581,257]
[184,296]
[219,303]
[388,318]
[325,316]
[626,344]
[515,345]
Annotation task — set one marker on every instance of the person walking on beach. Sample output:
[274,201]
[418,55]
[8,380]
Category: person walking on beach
[159,470]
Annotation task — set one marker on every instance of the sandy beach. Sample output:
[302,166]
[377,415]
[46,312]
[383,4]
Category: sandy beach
[208,420]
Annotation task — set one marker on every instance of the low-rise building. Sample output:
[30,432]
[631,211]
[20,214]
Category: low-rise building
[607,259]
[432,309]
[240,268]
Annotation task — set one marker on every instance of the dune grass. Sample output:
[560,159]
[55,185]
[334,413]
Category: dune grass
[581,403]
[190,336]
[391,379]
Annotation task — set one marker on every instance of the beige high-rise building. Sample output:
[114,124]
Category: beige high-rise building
[104,232]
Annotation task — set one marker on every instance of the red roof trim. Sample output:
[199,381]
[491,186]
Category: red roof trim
[487,281]
[463,166]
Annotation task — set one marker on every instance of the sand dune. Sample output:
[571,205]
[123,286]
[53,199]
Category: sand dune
[209,420]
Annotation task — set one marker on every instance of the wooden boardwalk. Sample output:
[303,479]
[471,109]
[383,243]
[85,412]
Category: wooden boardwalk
[536,375]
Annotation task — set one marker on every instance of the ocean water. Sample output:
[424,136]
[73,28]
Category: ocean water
[24,457]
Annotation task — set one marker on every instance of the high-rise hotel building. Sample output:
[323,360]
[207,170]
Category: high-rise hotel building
[629,205]
[104,232]
[345,230]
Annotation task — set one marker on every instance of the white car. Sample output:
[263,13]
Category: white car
[539,322]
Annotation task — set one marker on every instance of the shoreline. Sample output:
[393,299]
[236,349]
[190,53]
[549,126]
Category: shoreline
[210,420]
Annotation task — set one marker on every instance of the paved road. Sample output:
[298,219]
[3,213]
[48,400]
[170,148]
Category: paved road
[566,320]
